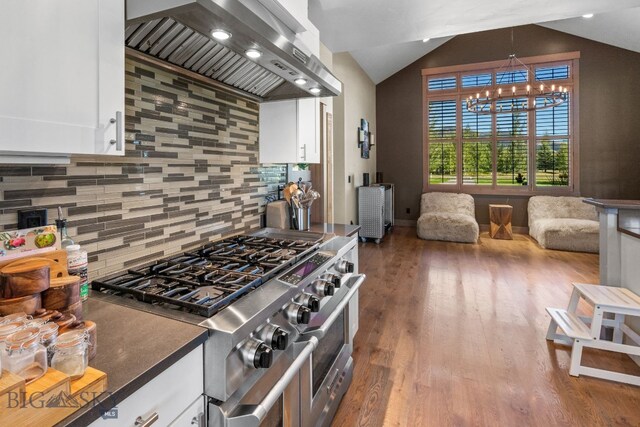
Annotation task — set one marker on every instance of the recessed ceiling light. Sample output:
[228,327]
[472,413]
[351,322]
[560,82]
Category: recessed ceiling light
[588,15]
[219,34]
[425,40]
[300,81]
[314,90]
[253,53]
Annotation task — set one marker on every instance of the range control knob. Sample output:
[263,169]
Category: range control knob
[280,339]
[344,266]
[312,302]
[257,354]
[333,278]
[323,288]
[298,314]
[276,337]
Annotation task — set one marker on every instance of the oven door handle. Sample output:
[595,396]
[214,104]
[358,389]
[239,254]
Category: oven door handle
[322,330]
[255,414]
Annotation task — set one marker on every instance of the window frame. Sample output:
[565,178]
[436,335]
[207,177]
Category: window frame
[458,95]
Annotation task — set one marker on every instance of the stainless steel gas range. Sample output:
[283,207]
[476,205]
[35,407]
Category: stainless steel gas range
[282,310]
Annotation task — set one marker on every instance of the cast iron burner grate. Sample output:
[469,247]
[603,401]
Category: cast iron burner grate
[199,290]
[207,279]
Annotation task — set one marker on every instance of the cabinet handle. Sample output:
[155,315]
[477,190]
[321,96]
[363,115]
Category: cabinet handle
[140,422]
[199,420]
[304,156]
[119,131]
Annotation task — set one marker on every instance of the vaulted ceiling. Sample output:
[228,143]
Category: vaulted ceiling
[385,36]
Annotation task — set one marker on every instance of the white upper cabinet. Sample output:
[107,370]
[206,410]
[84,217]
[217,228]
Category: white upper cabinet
[62,78]
[290,131]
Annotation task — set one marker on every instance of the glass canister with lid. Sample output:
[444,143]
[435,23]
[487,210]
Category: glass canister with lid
[71,354]
[7,329]
[25,355]
[15,317]
[48,338]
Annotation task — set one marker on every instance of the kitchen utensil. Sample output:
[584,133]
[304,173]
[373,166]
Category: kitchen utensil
[28,304]
[63,292]
[27,278]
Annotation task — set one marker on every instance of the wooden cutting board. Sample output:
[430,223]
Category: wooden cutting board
[59,256]
[25,278]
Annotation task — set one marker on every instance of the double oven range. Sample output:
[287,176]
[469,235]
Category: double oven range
[281,308]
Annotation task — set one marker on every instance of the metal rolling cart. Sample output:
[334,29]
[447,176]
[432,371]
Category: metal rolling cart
[375,211]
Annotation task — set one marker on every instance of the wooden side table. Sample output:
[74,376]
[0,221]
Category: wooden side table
[500,222]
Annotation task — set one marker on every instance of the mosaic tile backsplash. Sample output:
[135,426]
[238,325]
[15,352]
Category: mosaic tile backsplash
[190,175]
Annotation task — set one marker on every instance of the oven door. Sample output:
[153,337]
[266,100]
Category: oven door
[325,380]
[273,401]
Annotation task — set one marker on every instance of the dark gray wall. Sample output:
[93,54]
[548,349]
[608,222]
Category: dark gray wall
[609,115]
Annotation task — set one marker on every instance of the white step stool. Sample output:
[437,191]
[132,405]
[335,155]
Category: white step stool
[580,332]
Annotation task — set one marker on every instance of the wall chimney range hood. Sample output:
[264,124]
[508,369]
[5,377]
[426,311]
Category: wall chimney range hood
[179,32]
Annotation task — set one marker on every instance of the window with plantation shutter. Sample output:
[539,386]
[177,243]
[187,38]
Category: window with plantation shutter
[509,151]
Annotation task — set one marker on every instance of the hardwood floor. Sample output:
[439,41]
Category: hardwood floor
[454,335]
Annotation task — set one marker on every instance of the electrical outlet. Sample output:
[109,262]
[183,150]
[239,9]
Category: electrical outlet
[32,218]
[408,210]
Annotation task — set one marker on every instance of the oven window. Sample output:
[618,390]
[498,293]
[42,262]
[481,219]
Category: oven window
[274,417]
[327,351]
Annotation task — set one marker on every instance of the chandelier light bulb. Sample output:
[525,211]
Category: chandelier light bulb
[478,95]
[513,89]
[528,89]
[487,94]
[553,88]
[541,88]
[499,91]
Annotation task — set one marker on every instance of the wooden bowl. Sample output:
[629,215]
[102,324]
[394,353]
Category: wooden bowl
[23,279]
[62,293]
[28,305]
[75,309]
[56,268]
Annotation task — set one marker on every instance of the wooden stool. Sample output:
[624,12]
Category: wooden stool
[500,219]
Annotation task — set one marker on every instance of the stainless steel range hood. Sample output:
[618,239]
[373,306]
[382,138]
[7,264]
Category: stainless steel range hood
[179,32]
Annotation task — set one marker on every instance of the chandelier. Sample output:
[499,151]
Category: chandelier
[518,95]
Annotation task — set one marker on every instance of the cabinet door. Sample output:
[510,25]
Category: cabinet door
[278,132]
[308,131]
[194,415]
[62,76]
[165,397]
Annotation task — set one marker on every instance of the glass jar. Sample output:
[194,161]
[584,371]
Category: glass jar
[70,354]
[48,338]
[35,323]
[15,317]
[25,356]
[6,330]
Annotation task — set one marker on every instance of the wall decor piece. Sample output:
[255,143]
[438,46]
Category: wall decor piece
[363,138]
[364,147]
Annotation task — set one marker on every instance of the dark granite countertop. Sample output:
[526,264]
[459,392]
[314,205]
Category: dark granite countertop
[613,203]
[133,348]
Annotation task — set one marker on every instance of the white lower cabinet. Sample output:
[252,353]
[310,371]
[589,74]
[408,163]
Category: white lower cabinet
[166,398]
[194,416]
